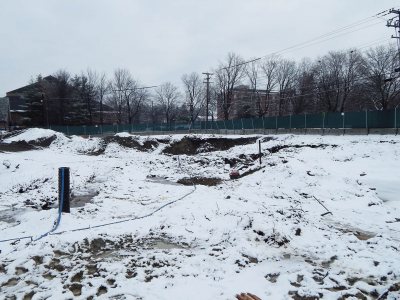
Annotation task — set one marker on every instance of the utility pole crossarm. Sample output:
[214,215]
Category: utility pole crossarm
[395,23]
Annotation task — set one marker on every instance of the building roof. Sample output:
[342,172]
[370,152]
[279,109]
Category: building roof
[30,86]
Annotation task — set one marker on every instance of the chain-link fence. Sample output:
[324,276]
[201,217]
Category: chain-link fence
[332,120]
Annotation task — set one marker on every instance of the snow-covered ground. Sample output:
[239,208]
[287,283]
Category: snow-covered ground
[265,233]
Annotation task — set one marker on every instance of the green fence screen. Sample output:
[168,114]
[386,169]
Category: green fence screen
[335,120]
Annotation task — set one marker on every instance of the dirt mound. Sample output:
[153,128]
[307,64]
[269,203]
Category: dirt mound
[43,142]
[12,133]
[194,145]
[278,148]
[200,181]
[18,146]
[131,142]
[127,142]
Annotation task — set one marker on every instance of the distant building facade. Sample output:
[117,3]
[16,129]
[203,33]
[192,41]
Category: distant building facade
[24,100]
[4,113]
[37,104]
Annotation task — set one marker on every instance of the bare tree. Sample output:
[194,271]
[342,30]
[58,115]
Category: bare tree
[119,87]
[129,94]
[381,82]
[228,75]
[286,75]
[194,94]
[90,92]
[337,74]
[167,96]
[253,73]
[305,88]
[103,88]
[137,100]
[269,69]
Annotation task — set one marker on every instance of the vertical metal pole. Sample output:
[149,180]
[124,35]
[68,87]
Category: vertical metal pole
[259,150]
[263,122]
[343,120]
[242,123]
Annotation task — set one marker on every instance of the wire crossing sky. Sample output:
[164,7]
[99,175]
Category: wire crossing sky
[161,40]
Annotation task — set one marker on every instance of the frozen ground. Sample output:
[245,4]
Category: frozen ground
[263,233]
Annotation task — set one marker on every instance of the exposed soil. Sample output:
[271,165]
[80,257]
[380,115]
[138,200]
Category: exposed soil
[194,145]
[127,142]
[200,181]
[131,142]
[81,199]
[278,148]
[12,133]
[243,159]
[43,142]
[26,146]
[16,146]
[250,171]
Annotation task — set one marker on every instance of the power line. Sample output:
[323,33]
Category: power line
[289,98]
[134,89]
[396,25]
[328,39]
[326,35]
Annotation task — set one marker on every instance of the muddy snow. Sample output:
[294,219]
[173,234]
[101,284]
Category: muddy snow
[159,217]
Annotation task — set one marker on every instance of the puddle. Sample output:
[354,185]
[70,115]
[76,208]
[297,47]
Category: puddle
[164,245]
[10,215]
[359,234]
[160,180]
[80,198]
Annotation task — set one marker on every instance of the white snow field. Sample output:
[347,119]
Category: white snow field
[265,233]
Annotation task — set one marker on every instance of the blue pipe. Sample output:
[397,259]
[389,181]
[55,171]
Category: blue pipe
[60,207]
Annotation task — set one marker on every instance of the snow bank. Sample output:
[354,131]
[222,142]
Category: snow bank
[33,134]
[264,233]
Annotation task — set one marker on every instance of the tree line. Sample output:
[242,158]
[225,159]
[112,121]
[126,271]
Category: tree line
[348,80]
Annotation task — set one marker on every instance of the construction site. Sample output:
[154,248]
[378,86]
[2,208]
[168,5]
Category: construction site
[199,216]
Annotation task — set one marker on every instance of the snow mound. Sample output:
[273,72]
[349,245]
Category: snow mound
[34,134]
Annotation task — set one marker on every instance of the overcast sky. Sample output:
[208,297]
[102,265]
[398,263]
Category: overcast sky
[159,40]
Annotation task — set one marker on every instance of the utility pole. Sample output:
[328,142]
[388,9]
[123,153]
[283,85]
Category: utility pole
[207,82]
[395,22]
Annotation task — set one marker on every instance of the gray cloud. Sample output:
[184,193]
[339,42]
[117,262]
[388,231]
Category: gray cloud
[160,40]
